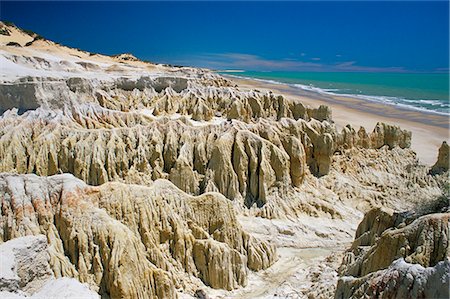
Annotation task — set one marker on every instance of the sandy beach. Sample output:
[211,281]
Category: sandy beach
[428,129]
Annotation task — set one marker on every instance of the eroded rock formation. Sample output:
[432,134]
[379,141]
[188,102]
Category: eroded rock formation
[443,161]
[25,272]
[424,241]
[398,255]
[241,161]
[129,240]
[119,119]
[399,280]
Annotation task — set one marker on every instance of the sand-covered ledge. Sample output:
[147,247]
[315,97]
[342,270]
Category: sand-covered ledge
[428,129]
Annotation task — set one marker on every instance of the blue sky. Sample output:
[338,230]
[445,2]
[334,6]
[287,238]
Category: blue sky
[305,36]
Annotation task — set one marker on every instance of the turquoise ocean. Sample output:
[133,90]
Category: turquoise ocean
[426,92]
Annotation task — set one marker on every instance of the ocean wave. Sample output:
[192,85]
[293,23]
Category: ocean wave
[439,107]
[436,106]
[257,79]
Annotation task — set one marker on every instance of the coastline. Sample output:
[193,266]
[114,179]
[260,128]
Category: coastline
[428,129]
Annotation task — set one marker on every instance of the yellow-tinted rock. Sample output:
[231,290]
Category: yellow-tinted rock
[443,161]
[242,161]
[132,241]
[425,241]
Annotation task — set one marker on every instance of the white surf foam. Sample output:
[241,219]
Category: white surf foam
[417,105]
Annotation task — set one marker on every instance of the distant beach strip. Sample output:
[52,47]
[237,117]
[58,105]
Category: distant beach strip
[423,92]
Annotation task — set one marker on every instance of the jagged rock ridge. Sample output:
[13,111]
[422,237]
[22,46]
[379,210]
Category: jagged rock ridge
[398,255]
[242,161]
[129,240]
[25,272]
[443,161]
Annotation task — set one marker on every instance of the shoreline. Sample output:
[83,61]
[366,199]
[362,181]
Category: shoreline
[429,130]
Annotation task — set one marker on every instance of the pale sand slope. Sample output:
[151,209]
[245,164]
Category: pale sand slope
[428,130]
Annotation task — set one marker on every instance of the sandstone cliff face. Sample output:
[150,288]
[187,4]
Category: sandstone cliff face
[397,254]
[24,265]
[443,161]
[132,241]
[400,280]
[424,241]
[373,178]
[242,161]
[25,272]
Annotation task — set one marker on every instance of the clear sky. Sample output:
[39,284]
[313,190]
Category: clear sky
[304,36]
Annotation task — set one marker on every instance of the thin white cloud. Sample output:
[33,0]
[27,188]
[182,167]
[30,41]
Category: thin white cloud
[351,66]
[254,62]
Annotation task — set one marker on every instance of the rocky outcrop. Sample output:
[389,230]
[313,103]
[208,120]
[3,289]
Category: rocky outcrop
[25,272]
[383,134]
[399,280]
[247,162]
[163,95]
[125,57]
[24,264]
[397,255]
[374,223]
[119,119]
[383,177]
[129,240]
[443,161]
[424,241]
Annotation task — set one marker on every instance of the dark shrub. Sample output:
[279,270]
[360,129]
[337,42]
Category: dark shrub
[13,44]
[4,31]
